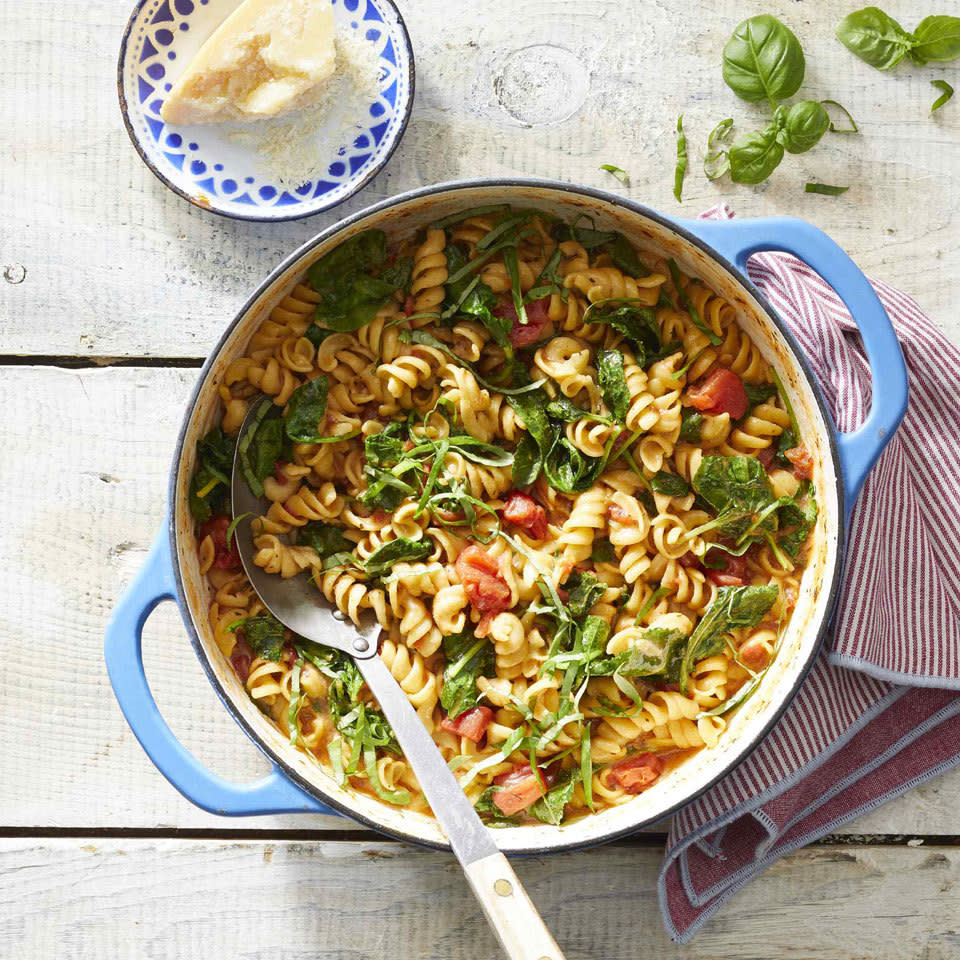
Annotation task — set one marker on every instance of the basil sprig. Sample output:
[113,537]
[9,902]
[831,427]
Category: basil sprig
[876,38]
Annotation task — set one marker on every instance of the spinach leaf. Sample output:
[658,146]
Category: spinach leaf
[526,462]
[805,123]
[568,470]
[874,37]
[669,484]
[385,556]
[467,659]
[659,655]
[306,410]
[384,449]
[733,608]
[758,393]
[565,410]
[613,383]
[398,274]
[209,491]
[350,296]
[471,297]
[738,489]
[260,449]
[763,60]
[796,520]
[551,806]
[637,324]
[625,257]
[602,551]
[936,39]
[755,155]
[691,425]
[585,590]
[264,633]
[317,334]
[944,96]
[325,538]
[681,169]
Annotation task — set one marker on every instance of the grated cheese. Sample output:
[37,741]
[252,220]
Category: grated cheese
[296,148]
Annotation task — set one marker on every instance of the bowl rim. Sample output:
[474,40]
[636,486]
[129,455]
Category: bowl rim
[563,845]
[211,207]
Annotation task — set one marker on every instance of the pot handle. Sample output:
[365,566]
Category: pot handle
[123,652]
[738,239]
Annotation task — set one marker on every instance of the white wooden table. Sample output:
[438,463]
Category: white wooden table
[112,290]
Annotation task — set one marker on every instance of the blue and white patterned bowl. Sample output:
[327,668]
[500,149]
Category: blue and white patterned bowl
[213,168]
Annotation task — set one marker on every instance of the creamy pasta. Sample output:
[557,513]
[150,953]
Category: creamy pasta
[557,472]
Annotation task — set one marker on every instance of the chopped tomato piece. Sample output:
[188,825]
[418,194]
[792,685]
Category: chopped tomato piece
[224,557]
[616,513]
[802,462]
[721,392]
[732,575]
[765,456]
[637,773]
[523,334]
[241,658]
[520,788]
[487,591]
[754,653]
[523,511]
[409,305]
[689,560]
[471,724]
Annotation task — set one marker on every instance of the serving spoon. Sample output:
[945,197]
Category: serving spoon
[298,604]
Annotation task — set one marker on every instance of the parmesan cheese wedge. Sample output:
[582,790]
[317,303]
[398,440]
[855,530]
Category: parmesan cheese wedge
[266,59]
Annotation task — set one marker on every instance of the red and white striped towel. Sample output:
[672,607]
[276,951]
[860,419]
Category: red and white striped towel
[880,711]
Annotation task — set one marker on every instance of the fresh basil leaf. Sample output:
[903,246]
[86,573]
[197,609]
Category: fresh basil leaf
[733,608]
[483,211]
[325,538]
[755,155]
[936,39]
[944,97]
[716,161]
[613,382]
[306,410]
[618,172]
[394,551]
[467,659]
[826,189]
[681,169]
[691,425]
[264,634]
[852,128]
[763,60]
[874,37]
[659,654]
[806,122]
[669,484]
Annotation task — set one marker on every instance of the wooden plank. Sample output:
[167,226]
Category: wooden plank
[84,470]
[174,899]
[116,265]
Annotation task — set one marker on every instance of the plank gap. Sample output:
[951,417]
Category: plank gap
[70,362]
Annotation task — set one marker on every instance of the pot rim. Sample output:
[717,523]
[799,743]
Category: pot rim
[562,845]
